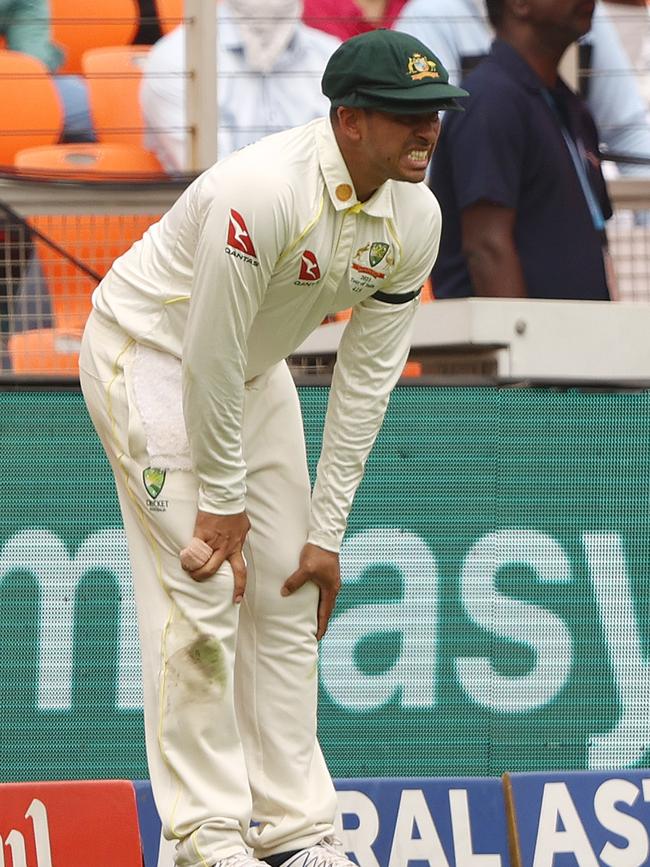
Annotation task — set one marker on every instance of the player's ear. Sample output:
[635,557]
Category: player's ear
[350,122]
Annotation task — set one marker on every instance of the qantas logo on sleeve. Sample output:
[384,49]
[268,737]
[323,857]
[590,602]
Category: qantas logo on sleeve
[309,270]
[239,242]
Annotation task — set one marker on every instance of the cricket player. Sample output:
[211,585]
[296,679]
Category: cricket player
[183,371]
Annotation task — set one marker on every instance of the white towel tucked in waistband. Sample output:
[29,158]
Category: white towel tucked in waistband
[158,396]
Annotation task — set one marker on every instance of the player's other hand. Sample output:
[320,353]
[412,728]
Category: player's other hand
[321,567]
[226,535]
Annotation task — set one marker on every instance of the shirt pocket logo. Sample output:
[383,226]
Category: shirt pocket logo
[364,264]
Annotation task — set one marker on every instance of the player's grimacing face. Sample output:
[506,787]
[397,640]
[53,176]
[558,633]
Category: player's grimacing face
[399,146]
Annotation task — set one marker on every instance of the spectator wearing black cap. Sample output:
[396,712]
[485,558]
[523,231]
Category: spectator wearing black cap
[517,174]
[203,427]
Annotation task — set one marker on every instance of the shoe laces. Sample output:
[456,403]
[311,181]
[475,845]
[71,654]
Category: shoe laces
[334,854]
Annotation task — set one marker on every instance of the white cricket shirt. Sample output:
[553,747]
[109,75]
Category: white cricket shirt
[248,261]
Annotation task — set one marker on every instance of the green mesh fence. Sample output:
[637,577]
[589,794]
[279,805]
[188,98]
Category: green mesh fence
[495,612]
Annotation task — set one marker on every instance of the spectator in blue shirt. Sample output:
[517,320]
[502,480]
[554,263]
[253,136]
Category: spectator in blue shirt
[517,175]
[462,35]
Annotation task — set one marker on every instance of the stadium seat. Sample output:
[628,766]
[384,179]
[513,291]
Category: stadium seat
[412,369]
[32,113]
[113,75]
[170,14]
[88,243]
[45,352]
[78,25]
[108,161]
[91,243]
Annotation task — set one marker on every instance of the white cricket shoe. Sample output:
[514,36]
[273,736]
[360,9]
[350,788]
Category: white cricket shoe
[239,859]
[327,853]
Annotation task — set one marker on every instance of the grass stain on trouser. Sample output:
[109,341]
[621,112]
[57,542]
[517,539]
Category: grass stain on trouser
[196,672]
[207,655]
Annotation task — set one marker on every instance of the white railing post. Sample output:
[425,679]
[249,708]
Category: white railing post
[201,86]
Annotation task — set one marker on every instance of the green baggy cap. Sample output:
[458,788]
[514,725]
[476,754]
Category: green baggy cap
[389,71]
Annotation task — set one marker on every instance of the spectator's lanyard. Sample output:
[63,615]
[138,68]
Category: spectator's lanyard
[579,158]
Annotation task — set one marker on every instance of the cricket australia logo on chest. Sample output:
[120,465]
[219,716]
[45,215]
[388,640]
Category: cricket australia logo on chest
[370,265]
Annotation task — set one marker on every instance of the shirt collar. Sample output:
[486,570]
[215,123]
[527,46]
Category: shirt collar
[509,59]
[339,183]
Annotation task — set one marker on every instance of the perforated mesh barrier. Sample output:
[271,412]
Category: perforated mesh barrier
[495,613]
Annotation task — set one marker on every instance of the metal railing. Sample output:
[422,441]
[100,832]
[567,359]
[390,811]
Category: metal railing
[58,238]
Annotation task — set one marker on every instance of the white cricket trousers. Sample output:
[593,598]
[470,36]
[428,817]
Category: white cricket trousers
[230,692]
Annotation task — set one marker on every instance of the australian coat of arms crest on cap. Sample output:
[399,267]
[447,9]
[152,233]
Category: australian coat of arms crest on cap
[420,67]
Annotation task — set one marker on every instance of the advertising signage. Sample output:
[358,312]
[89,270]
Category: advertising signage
[495,613]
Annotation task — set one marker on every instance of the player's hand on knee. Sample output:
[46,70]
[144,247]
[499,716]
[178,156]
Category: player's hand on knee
[321,567]
[218,538]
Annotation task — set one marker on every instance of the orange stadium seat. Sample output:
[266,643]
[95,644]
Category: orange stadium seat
[32,113]
[78,25]
[88,243]
[113,75]
[170,14]
[112,160]
[45,352]
[92,242]
[412,369]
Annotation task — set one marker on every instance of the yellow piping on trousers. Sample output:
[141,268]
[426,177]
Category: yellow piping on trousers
[156,555]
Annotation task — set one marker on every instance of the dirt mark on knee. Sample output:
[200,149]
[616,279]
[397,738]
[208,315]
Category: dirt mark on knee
[198,670]
[207,655]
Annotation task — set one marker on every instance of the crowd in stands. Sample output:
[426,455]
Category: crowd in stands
[494,170]
[271,54]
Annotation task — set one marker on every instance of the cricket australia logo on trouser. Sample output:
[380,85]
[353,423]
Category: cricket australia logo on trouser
[154,481]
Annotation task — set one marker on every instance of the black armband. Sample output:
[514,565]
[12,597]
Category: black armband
[401,298]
